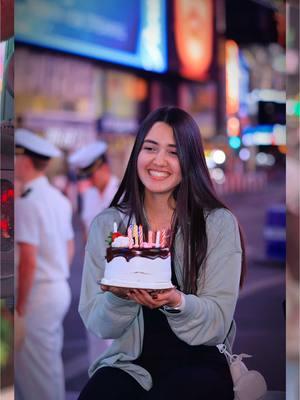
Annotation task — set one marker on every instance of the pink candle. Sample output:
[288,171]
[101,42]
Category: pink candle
[141,239]
[150,237]
[129,233]
[163,238]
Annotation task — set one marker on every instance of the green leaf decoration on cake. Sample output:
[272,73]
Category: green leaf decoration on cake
[109,239]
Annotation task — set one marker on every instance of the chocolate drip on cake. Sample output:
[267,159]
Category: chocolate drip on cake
[128,254]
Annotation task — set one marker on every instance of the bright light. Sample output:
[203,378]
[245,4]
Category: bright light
[244,154]
[297,109]
[233,126]
[247,139]
[277,96]
[262,138]
[210,162]
[261,158]
[279,133]
[234,142]
[265,159]
[232,77]
[218,175]
[219,156]
[290,105]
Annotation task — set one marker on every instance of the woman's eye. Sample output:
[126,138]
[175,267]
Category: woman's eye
[174,153]
[149,148]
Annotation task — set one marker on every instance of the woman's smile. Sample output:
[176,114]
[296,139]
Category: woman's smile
[158,175]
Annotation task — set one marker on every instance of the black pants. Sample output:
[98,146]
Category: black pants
[113,384]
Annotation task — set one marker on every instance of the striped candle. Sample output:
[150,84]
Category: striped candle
[157,242]
[163,238]
[135,235]
[129,233]
[141,238]
[150,237]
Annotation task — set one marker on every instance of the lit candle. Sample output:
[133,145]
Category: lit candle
[135,235]
[115,227]
[157,242]
[129,233]
[163,238]
[141,239]
[150,237]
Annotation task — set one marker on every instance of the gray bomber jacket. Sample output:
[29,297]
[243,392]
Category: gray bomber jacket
[206,318]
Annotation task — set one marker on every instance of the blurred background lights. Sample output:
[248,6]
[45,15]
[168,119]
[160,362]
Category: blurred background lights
[265,159]
[233,126]
[219,156]
[218,175]
[290,105]
[210,162]
[279,63]
[234,142]
[244,154]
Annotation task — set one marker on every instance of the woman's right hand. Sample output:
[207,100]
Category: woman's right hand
[117,291]
[124,293]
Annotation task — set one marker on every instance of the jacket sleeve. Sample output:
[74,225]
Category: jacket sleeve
[207,316]
[103,313]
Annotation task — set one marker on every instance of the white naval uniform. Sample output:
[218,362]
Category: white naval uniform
[93,202]
[44,219]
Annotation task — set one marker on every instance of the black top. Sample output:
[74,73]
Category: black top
[163,350]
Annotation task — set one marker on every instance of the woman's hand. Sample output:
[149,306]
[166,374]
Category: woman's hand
[117,291]
[124,292]
[155,298]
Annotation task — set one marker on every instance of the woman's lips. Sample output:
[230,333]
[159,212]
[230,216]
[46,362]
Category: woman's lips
[159,175]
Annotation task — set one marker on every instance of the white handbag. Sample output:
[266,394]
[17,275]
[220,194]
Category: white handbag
[247,385]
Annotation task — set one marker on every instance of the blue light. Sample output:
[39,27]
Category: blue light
[234,142]
[135,36]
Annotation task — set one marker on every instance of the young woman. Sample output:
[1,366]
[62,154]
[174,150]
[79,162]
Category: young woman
[165,342]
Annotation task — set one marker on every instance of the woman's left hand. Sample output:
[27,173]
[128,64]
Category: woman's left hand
[170,297]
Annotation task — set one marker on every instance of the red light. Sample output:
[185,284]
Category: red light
[4,225]
[7,195]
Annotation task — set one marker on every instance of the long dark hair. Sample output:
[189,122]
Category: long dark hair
[195,195]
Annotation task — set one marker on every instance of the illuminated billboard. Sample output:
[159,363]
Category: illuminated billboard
[192,38]
[129,33]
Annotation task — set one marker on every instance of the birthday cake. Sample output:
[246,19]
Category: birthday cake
[135,263]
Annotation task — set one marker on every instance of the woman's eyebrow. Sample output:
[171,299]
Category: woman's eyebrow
[150,141]
[154,142]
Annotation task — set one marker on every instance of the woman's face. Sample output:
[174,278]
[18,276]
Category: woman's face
[158,164]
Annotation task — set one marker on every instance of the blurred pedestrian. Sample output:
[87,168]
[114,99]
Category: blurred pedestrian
[165,341]
[91,162]
[44,238]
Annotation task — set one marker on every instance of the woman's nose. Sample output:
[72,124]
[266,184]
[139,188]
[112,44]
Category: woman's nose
[160,158]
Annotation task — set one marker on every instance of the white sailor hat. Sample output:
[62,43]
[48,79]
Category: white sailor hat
[88,158]
[31,144]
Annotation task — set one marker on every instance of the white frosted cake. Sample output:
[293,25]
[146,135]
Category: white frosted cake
[131,262]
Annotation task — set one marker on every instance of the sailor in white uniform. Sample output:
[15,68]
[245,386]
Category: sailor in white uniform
[91,161]
[44,238]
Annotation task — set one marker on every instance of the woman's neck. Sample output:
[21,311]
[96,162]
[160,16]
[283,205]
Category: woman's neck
[159,211]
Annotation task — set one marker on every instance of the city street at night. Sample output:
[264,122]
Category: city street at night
[259,315]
